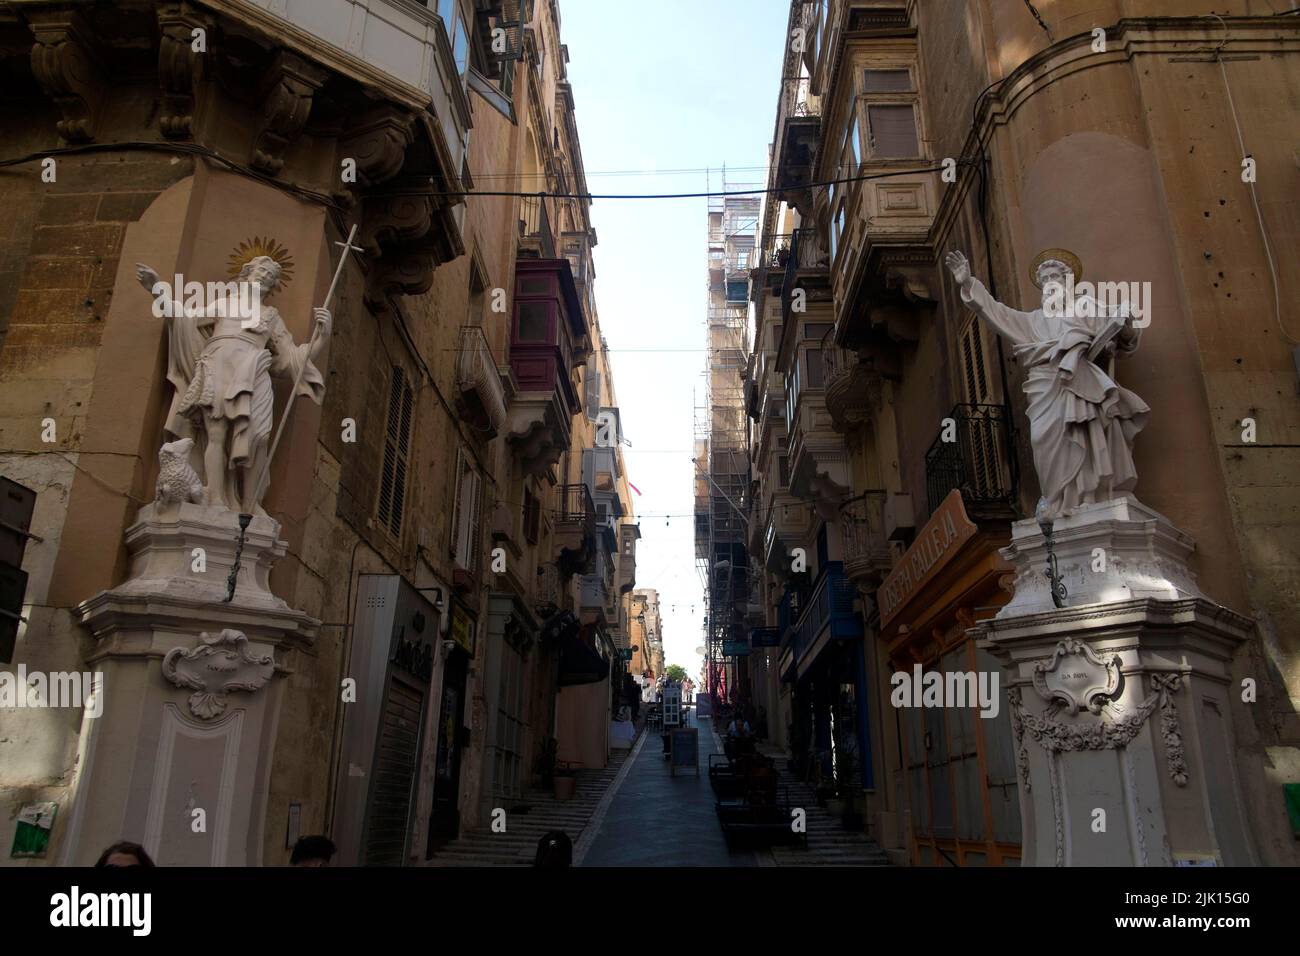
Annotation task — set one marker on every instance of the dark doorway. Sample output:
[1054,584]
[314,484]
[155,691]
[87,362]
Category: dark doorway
[444,823]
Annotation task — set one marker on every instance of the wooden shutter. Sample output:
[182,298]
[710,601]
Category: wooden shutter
[397,451]
[593,391]
[893,131]
[985,462]
[467,544]
[458,482]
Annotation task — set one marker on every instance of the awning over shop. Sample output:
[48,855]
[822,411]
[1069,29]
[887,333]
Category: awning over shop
[580,662]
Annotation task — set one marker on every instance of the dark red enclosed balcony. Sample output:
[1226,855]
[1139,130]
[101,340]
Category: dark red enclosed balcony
[549,339]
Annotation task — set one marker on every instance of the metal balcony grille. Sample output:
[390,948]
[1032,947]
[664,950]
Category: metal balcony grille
[978,461]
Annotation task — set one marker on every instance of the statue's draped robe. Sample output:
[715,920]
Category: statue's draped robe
[1081,423]
[220,368]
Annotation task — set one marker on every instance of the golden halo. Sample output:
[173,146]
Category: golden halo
[1061,255]
[250,249]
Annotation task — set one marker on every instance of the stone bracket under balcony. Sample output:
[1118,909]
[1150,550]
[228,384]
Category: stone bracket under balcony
[821,475]
[853,390]
[867,555]
[480,395]
[538,430]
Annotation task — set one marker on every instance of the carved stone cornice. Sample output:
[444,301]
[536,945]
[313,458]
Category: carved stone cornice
[181,69]
[67,63]
[287,91]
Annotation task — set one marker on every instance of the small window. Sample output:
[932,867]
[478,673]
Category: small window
[477,291]
[783,471]
[534,285]
[460,48]
[816,330]
[816,372]
[776,336]
[534,322]
[532,516]
[886,81]
[855,144]
[893,131]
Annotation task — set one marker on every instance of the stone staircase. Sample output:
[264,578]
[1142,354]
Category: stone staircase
[535,814]
[829,844]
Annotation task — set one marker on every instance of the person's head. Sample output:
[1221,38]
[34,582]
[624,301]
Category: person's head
[312,851]
[263,271]
[124,853]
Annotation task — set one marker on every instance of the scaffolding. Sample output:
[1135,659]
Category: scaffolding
[722,435]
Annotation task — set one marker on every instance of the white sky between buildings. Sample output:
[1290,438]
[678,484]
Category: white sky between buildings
[671,88]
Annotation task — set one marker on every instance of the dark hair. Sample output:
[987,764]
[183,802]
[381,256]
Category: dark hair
[554,850]
[125,846]
[312,848]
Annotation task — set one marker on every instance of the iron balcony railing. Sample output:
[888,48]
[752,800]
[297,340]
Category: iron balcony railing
[862,523]
[576,505]
[831,606]
[535,224]
[804,254]
[775,251]
[798,100]
[973,452]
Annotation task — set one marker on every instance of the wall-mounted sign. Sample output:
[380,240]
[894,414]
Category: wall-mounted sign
[735,648]
[939,541]
[765,637]
[413,657]
[32,832]
[462,629]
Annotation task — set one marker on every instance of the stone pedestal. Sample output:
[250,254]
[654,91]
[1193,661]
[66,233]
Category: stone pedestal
[1107,552]
[190,692]
[1120,706]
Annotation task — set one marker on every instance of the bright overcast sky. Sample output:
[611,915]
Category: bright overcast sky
[666,87]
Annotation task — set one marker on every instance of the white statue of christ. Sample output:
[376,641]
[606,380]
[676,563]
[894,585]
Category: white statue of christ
[1081,423]
[220,364]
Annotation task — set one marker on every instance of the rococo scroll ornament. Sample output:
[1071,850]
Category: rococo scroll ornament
[219,665]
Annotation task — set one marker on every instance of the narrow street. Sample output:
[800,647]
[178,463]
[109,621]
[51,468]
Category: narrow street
[658,818]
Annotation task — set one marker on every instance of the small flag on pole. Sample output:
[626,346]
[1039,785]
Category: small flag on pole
[634,488]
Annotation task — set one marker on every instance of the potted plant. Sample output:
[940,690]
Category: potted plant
[565,780]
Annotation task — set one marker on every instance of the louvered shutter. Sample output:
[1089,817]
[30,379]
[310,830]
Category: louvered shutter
[593,391]
[893,131]
[457,507]
[981,440]
[475,550]
[397,448]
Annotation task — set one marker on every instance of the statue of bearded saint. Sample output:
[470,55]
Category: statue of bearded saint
[220,361]
[1081,423]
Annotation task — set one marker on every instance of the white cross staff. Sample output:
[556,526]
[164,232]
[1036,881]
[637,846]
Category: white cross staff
[347,247]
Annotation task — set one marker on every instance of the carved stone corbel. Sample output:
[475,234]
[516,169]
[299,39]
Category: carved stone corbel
[402,215]
[406,272]
[181,68]
[378,143]
[289,86]
[67,64]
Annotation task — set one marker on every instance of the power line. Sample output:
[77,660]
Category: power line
[758,191]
